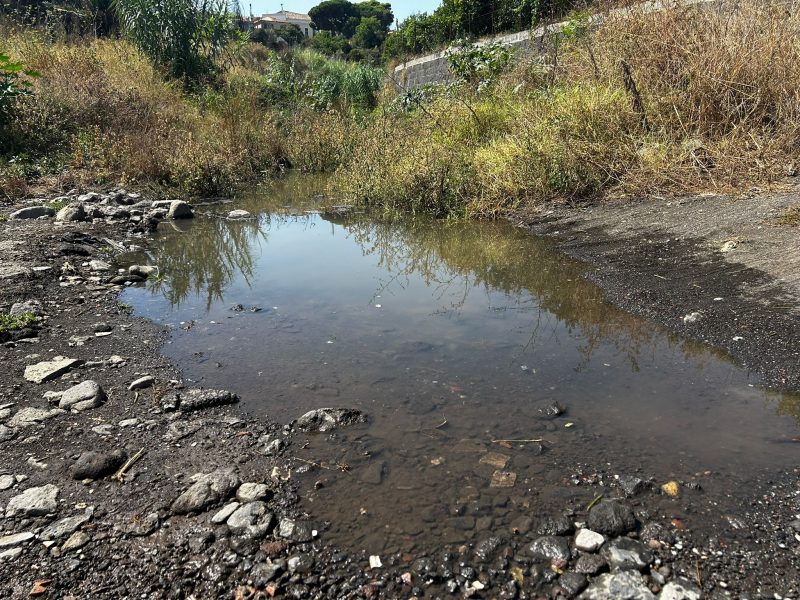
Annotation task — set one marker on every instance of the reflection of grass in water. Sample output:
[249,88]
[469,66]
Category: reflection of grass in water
[789,404]
[455,257]
[206,258]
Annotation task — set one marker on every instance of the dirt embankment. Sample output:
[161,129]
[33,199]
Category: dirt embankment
[115,490]
[720,269]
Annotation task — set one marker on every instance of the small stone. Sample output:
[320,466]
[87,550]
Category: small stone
[32,212]
[550,548]
[83,396]
[96,465]
[128,423]
[71,213]
[671,488]
[30,416]
[611,518]
[76,540]
[102,327]
[251,520]
[50,369]
[208,489]
[29,307]
[590,564]
[15,539]
[239,214]
[632,486]
[100,266]
[178,209]
[64,527]
[141,383]
[621,585]
[196,399]
[250,492]
[572,583]
[6,482]
[624,553]
[588,540]
[323,420]
[296,531]
[34,502]
[558,525]
[226,511]
[142,270]
[105,429]
[503,479]
[494,459]
[10,554]
[680,589]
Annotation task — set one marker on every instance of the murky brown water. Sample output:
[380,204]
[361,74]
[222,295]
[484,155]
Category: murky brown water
[451,336]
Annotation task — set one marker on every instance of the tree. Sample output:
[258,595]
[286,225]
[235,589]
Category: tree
[334,16]
[185,35]
[369,33]
[329,44]
[380,10]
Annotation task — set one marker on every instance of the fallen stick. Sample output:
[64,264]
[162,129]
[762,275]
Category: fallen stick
[595,501]
[120,475]
[535,441]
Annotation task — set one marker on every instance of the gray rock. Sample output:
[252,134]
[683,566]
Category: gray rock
[680,589]
[142,526]
[550,547]
[96,465]
[611,518]
[7,433]
[64,527]
[15,539]
[72,213]
[296,531]
[34,502]
[588,540]
[250,492]
[632,486]
[11,270]
[274,447]
[251,520]
[142,383]
[223,513]
[29,307]
[207,489]
[142,270]
[302,563]
[32,416]
[263,573]
[195,399]
[328,419]
[50,369]
[76,541]
[622,585]
[624,553]
[32,212]
[239,214]
[84,396]
[100,266]
[10,554]
[178,209]
[6,482]
[560,525]
[485,549]
[572,583]
[590,564]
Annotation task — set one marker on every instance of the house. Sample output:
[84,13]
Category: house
[284,17]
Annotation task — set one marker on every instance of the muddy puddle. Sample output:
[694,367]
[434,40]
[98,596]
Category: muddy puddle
[456,339]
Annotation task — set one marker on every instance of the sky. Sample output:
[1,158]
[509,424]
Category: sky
[401,8]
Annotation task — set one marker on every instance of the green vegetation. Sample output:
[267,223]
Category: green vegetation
[353,30]
[13,322]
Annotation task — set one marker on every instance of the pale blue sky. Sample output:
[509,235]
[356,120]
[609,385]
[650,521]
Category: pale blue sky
[401,8]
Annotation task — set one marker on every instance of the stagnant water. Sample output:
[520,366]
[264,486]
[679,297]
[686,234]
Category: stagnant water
[451,336]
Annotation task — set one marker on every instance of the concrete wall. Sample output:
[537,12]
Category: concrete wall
[433,68]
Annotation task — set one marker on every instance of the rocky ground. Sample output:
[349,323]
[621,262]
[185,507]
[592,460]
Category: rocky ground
[117,481]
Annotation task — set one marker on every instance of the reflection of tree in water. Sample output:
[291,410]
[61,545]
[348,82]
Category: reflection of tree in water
[457,257]
[206,258]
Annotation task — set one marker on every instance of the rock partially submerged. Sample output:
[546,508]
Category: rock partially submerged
[328,419]
[197,399]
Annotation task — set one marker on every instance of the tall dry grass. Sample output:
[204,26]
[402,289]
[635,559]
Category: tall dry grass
[672,101]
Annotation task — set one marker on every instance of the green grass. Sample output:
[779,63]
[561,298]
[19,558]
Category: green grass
[14,322]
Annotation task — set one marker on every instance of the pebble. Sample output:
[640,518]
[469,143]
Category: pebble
[76,540]
[15,539]
[84,396]
[250,492]
[207,489]
[141,383]
[588,540]
[226,511]
[34,502]
[6,482]
[50,369]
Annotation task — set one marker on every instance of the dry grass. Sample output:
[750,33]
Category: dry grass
[719,108]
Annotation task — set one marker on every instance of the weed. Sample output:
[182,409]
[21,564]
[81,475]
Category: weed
[790,218]
[13,322]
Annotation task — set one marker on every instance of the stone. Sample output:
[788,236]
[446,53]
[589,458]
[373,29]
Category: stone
[29,307]
[141,383]
[178,209]
[296,531]
[494,459]
[15,539]
[622,585]
[611,518]
[485,549]
[6,482]
[624,553]
[76,541]
[100,266]
[559,525]
[50,369]
[141,526]
[632,486]
[549,548]
[84,396]
[142,270]
[302,563]
[263,573]
[11,270]
[273,447]
[322,420]
[7,433]
[102,327]
[250,492]
[590,564]
[552,410]
[34,502]
[197,399]
[251,520]
[96,465]
[680,589]
[71,213]
[572,583]
[10,554]
[226,511]
[32,416]
[588,540]
[64,527]
[207,489]
[32,212]
[503,479]
[671,488]
[239,214]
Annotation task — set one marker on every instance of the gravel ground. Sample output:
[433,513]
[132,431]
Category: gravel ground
[167,526]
